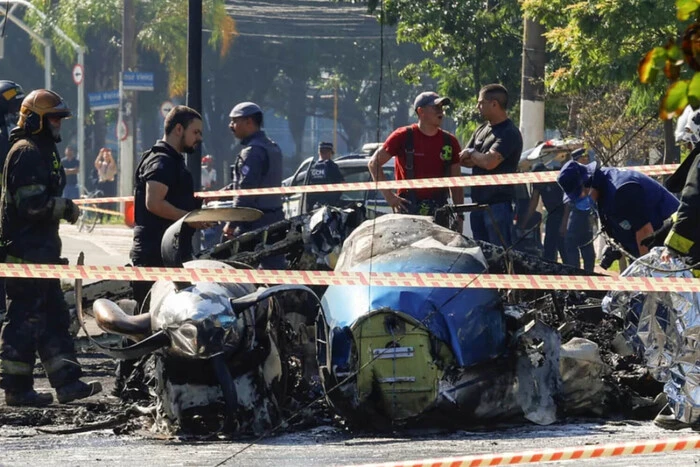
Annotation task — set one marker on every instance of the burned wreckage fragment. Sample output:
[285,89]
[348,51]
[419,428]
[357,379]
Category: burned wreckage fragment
[217,352]
[386,356]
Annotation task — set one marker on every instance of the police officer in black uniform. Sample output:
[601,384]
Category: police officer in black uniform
[32,207]
[323,171]
[163,191]
[259,165]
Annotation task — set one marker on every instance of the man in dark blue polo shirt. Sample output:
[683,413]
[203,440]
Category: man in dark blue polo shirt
[324,171]
[630,205]
[494,148]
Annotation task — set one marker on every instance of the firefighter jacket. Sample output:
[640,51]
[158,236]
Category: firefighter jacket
[31,202]
[684,236]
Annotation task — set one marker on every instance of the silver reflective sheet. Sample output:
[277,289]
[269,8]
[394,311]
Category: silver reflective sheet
[664,328]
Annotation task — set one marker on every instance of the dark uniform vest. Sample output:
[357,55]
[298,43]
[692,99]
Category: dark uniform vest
[271,174]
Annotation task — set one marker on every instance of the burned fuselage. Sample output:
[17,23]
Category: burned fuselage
[400,354]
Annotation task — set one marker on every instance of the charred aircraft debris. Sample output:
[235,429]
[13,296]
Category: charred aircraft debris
[243,357]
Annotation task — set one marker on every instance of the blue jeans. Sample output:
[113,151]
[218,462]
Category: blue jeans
[579,240]
[486,227]
[71,192]
[553,241]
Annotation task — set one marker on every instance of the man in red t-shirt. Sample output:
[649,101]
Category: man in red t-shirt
[435,154]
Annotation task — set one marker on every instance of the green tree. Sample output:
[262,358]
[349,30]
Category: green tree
[162,33]
[470,43]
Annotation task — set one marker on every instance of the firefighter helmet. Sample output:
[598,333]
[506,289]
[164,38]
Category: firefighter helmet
[11,96]
[37,106]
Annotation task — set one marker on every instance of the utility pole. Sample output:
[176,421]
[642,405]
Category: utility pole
[532,84]
[127,103]
[194,80]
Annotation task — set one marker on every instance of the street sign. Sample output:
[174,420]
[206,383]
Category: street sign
[165,108]
[104,100]
[122,130]
[137,81]
[78,74]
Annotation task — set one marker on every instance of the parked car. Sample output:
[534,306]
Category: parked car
[354,169]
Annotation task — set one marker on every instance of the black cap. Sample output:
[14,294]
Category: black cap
[325,146]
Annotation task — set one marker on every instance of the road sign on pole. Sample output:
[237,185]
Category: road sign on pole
[104,100]
[137,81]
[78,74]
[122,130]
[165,108]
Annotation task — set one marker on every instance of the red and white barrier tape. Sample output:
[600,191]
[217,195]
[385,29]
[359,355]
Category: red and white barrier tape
[552,455]
[381,279]
[468,180]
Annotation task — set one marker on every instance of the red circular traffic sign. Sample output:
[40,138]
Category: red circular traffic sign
[78,74]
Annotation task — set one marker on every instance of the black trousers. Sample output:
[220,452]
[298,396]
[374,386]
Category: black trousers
[37,320]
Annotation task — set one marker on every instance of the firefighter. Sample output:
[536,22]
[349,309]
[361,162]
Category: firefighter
[37,315]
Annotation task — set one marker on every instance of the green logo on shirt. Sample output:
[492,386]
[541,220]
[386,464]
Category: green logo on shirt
[446,154]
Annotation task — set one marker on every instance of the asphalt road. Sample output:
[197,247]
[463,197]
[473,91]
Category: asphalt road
[321,445]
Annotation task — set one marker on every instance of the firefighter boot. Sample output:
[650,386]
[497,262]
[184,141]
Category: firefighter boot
[29,398]
[77,390]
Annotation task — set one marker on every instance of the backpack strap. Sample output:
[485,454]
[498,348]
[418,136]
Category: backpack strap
[410,151]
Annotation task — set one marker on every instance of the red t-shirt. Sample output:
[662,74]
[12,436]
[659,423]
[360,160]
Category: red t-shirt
[427,161]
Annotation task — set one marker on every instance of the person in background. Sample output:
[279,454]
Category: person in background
[106,176]
[208,173]
[580,227]
[71,164]
[494,148]
[552,196]
[324,171]
[259,165]
[421,150]
[631,206]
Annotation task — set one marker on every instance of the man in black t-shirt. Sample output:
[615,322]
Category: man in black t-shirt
[324,171]
[164,190]
[494,148]
[72,166]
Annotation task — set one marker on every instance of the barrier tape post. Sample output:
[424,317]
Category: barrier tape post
[553,455]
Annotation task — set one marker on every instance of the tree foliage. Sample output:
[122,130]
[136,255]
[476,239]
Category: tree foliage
[684,87]
[470,43]
[161,26]
[598,42]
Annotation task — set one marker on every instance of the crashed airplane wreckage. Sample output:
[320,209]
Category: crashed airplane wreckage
[386,355]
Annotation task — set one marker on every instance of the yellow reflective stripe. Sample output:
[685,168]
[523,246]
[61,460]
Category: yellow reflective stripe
[678,242]
[696,272]
[13,259]
[56,363]
[674,216]
[10,367]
